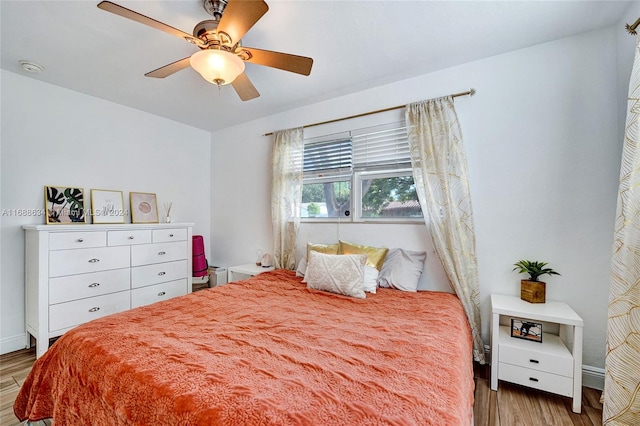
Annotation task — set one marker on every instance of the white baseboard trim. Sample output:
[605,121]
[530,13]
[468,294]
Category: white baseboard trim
[592,377]
[12,344]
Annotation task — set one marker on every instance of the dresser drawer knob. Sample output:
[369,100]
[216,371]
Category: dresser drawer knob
[162,293]
[131,237]
[161,273]
[162,253]
[96,309]
[533,379]
[94,285]
[535,361]
[80,240]
[94,260]
[170,235]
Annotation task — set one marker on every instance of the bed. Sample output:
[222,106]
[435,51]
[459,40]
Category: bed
[265,351]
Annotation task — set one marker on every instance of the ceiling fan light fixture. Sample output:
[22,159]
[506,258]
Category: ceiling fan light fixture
[217,66]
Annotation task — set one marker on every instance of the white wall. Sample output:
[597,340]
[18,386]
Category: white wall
[542,143]
[54,136]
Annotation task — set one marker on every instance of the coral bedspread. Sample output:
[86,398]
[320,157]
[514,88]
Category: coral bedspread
[266,351]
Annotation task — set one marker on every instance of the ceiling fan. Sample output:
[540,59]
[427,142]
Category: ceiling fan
[221,58]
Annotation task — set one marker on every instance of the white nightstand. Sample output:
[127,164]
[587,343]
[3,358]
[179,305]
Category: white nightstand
[242,272]
[555,365]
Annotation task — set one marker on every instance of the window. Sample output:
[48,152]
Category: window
[363,175]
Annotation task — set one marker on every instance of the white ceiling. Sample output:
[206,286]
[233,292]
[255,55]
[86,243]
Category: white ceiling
[355,45]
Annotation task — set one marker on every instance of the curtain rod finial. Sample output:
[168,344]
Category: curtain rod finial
[472,91]
[630,29]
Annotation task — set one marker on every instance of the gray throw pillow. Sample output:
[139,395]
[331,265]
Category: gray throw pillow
[402,269]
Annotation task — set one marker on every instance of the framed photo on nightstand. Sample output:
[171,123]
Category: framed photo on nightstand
[527,330]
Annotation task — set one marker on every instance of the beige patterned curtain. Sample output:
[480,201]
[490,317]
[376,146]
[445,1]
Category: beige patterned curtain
[622,364]
[440,174]
[286,195]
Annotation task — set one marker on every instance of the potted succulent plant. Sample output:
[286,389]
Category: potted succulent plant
[533,290]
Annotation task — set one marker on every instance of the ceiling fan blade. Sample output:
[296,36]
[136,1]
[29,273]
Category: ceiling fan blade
[135,16]
[239,16]
[172,68]
[244,88]
[284,61]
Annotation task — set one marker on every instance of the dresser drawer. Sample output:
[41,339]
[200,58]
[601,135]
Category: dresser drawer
[71,262]
[155,293]
[73,287]
[70,314]
[76,240]
[168,235]
[561,385]
[128,238]
[158,253]
[158,273]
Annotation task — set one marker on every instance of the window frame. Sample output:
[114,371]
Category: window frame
[359,168]
[356,196]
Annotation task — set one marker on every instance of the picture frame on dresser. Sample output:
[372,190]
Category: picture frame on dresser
[107,206]
[144,207]
[64,205]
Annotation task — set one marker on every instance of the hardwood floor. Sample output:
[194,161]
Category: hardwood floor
[511,405]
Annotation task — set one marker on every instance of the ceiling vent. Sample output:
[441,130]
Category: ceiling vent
[31,66]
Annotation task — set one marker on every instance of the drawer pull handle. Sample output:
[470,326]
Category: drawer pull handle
[533,379]
[162,293]
[535,361]
[162,253]
[94,260]
[96,309]
[94,285]
[170,235]
[80,240]
[161,273]
[131,237]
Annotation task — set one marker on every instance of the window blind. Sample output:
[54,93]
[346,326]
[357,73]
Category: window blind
[381,147]
[328,158]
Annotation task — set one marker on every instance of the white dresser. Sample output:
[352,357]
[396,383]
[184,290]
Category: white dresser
[77,273]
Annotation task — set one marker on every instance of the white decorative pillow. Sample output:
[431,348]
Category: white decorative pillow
[370,279]
[402,269]
[341,274]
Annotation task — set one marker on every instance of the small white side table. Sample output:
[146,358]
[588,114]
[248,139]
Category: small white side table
[555,365]
[242,272]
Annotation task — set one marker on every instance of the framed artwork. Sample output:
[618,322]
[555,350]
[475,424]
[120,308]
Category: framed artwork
[144,208]
[527,330]
[64,205]
[107,206]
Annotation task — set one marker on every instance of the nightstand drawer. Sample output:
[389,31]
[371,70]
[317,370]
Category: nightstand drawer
[76,240]
[129,237]
[73,287]
[536,379]
[551,356]
[158,273]
[70,314]
[155,293]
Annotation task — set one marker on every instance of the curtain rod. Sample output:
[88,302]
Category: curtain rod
[631,29]
[469,92]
